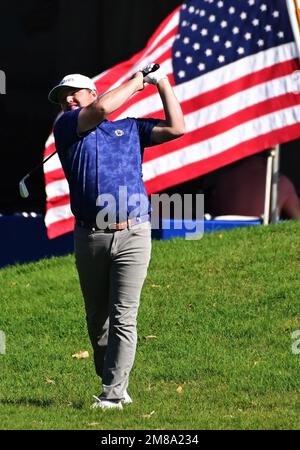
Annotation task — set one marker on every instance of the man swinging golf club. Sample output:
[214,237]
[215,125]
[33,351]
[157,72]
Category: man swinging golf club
[99,157]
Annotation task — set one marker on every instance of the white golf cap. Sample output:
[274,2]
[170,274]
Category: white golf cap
[75,80]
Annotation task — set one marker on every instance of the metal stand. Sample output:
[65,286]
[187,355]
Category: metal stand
[271,213]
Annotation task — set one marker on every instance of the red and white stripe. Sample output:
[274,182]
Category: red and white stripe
[230,113]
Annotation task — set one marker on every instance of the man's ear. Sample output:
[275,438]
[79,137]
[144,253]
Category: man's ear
[95,94]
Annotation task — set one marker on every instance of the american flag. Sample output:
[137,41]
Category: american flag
[232,66]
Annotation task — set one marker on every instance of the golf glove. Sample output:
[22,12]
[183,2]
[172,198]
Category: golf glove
[154,77]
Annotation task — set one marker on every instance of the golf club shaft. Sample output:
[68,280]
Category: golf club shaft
[40,165]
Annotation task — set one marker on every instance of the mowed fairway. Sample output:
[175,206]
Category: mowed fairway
[214,348]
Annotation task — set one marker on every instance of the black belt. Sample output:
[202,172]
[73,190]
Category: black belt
[114,226]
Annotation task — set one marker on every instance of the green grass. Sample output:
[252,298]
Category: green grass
[222,309]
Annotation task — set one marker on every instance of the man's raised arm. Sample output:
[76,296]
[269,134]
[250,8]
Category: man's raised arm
[173,125]
[105,104]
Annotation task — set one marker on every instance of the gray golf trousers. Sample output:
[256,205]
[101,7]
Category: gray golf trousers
[112,267]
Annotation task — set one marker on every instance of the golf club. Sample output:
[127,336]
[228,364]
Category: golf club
[22,185]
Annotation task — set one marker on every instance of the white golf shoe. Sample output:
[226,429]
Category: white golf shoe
[106,404]
[109,404]
[126,400]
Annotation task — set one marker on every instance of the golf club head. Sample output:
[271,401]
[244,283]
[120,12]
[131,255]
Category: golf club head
[22,188]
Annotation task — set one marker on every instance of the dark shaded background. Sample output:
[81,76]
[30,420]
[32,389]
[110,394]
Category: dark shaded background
[43,40]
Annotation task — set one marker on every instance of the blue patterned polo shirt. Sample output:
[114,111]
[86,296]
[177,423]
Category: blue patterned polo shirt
[104,165]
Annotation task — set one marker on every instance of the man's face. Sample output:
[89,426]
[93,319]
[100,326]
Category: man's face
[72,98]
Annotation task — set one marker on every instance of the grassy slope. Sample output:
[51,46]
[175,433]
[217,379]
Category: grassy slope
[222,309]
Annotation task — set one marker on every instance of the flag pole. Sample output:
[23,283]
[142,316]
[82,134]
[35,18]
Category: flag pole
[293,7]
[268,188]
[274,210]
[297,6]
